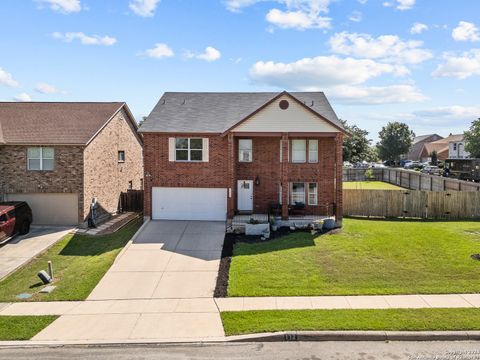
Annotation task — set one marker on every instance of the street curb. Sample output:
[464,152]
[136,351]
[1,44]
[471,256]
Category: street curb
[357,336]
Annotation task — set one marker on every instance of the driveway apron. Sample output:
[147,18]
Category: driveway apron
[160,288]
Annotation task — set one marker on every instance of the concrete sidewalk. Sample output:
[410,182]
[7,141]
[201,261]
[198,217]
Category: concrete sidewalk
[211,305]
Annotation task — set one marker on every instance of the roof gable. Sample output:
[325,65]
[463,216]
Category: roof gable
[296,118]
[217,112]
[61,123]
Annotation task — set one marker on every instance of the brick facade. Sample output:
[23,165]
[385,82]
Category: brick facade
[223,170]
[89,171]
[105,177]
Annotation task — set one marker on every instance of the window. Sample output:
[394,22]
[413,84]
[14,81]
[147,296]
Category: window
[130,185]
[312,151]
[141,184]
[454,146]
[280,194]
[121,156]
[299,148]
[40,158]
[188,149]
[298,193]
[245,150]
[312,194]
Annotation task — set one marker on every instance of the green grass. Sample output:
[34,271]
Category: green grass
[79,262]
[366,257]
[23,327]
[248,322]
[370,185]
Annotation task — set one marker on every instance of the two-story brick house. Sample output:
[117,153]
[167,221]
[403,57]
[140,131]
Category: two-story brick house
[209,156]
[60,156]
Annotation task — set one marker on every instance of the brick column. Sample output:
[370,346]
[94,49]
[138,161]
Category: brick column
[284,176]
[338,179]
[231,176]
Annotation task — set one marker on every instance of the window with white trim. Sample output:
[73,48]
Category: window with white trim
[298,193]
[245,150]
[188,149]
[299,150]
[40,158]
[312,194]
[121,156]
[312,151]
[280,194]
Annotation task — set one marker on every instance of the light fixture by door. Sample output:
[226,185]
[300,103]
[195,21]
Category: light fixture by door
[257,180]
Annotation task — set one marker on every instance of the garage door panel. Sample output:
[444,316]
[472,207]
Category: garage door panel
[50,208]
[189,203]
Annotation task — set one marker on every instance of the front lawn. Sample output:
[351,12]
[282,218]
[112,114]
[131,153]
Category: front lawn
[79,262]
[370,185]
[23,327]
[248,322]
[366,257]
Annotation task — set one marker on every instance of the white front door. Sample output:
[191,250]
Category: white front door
[245,195]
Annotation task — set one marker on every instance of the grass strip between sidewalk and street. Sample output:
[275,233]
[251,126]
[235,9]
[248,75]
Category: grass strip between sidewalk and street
[79,262]
[250,322]
[23,327]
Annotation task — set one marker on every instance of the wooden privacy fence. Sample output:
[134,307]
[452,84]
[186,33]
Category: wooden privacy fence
[132,200]
[412,203]
[411,179]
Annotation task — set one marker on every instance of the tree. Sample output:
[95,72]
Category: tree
[372,154]
[472,139]
[434,157]
[355,146]
[395,140]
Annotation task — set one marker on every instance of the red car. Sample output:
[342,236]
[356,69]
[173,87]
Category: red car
[15,218]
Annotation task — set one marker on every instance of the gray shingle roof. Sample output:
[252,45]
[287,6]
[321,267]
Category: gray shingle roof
[205,112]
[50,123]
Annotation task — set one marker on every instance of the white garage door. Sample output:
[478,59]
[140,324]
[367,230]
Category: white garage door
[189,203]
[50,209]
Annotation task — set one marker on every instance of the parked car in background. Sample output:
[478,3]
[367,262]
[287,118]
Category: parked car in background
[347,165]
[413,165]
[15,218]
[431,170]
[378,166]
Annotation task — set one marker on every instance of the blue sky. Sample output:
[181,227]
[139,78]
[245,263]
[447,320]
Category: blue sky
[416,61]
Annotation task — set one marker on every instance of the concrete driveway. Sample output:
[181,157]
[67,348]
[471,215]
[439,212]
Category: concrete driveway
[21,249]
[159,288]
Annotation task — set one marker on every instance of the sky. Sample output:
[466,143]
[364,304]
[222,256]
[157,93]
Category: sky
[414,61]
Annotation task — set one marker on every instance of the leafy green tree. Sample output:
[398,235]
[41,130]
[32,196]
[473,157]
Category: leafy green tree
[372,154]
[395,140]
[434,157]
[355,146]
[472,139]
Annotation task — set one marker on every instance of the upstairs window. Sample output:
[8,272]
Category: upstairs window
[312,151]
[299,149]
[40,158]
[245,150]
[189,149]
[121,156]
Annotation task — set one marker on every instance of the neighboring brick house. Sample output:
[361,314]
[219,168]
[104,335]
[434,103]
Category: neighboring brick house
[209,156]
[418,144]
[60,156]
[442,147]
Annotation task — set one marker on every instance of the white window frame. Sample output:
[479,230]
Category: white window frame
[189,149]
[313,151]
[299,152]
[313,194]
[295,195]
[246,150]
[41,158]
[121,160]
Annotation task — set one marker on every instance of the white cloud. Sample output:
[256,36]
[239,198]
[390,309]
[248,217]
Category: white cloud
[376,95]
[159,51]
[400,4]
[23,97]
[63,6]
[450,113]
[355,16]
[45,88]
[298,14]
[387,47]
[7,79]
[321,71]
[461,66]
[466,31]
[145,8]
[418,28]
[363,2]
[210,54]
[85,39]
